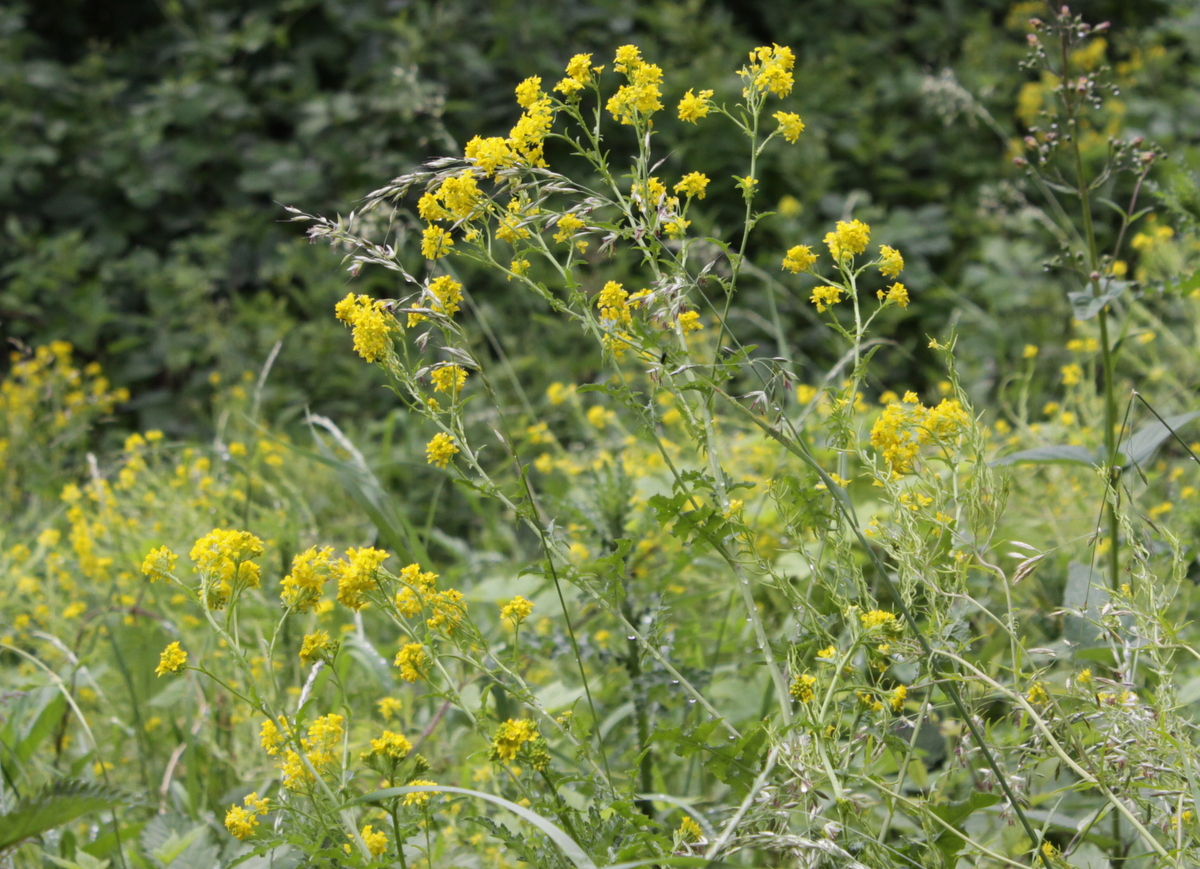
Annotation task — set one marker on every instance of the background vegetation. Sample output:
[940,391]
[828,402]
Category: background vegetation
[176,367]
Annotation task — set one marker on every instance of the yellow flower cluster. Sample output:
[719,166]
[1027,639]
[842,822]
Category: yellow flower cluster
[904,427]
[356,575]
[881,620]
[689,831]
[418,799]
[641,97]
[440,450]
[172,660]
[510,736]
[375,840]
[848,238]
[790,125]
[613,304]
[799,259]
[891,263]
[300,590]
[412,661]
[489,154]
[418,592]
[448,378]
[802,688]
[693,106]
[315,646]
[456,198]
[526,138]
[693,184]
[240,821]
[159,564]
[371,322]
[393,746]
[770,69]
[896,294]
[580,74]
[47,388]
[435,244]
[568,225]
[223,559]
[516,610]
[825,297]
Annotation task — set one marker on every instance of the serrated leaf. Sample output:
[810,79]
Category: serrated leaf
[54,805]
[1058,453]
[1141,445]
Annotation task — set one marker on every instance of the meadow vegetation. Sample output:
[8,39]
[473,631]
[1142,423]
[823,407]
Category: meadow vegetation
[629,569]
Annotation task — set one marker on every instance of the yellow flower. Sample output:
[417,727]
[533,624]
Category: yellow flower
[510,736]
[271,737]
[371,323]
[412,662]
[689,831]
[314,646]
[516,610]
[528,91]
[848,238]
[689,321]
[435,242]
[489,154]
[388,707]
[172,660]
[693,184]
[896,294]
[790,125]
[1030,351]
[394,746]
[159,563]
[799,259]
[448,378]
[890,261]
[881,619]
[695,106]
[639,98]
[301,589]
[827,653]
[802,688]
[518,267]
[440,450]
[568,225]
[420,798]
[770,69]
[1037,694]
[240,823]
[357,574]
[322,742]
[376,842]
[824,297]
[628,59]
[899,695]
[1072,374]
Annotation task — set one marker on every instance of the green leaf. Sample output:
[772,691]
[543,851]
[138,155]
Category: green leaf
[47,720]
[1188,284]
[1059,453]
[566,844]
[1142,444]
[53,806]
[950,843]
[1086,305]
